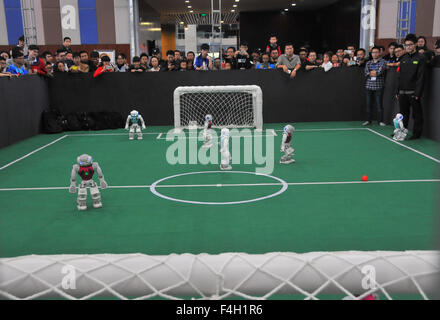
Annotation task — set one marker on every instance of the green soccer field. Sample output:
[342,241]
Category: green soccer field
[317,204]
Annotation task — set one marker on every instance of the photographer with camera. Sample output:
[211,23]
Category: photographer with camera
[242,57]
[105,66]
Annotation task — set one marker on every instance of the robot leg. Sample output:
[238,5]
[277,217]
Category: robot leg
[96,196]
[82,198]
[208,139]
[287,158]
[226,158]
[139,133]
[131,133]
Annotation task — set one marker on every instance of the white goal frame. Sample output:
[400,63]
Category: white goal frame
[353,274]
[257,103]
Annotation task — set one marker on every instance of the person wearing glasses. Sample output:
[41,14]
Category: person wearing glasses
[18,66]
[411,77]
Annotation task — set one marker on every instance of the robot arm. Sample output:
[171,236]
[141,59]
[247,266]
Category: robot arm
[142,122]
[127,123]
[98,170]
[75,169]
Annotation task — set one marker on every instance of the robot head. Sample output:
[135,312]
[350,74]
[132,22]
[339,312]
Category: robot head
[134,114]
[208,117]
[289,129]
[225,133]
[399,116]
[85,160]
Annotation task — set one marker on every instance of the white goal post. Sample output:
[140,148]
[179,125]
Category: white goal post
[350,274]
[230,106]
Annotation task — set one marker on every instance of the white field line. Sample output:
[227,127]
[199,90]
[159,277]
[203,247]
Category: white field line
[107,134]
[160,135]
[405,146]
[236,185]
[333,129]
[32,152]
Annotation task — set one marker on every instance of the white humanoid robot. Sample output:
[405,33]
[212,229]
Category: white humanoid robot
[400,132]
[86,168]
[207,135]
[285,145]
[134,123]
[224,150]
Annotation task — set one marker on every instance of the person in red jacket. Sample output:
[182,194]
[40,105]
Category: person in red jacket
[273,44]
[104,67]
[34,63]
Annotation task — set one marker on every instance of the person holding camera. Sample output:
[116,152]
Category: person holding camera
[105,66]
[242,57]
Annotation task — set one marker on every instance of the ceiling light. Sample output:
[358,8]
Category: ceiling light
[189,7]
[181,22]
[237,0]
[191,11]
[232,10]
[186,1]
[146,23]
[235,6]
[154,29]
[286,9]
[293,4]
[222,21]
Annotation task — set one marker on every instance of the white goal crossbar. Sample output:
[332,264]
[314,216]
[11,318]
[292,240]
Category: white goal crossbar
[352,274]
[230,106]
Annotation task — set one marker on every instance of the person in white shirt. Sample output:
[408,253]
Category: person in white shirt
[154,64]
[327,64]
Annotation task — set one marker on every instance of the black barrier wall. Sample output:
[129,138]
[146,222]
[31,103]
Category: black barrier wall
[22,101]
[313,96]
[337,95]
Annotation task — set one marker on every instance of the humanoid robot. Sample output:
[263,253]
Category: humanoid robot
[224,150]
[207,135]
[285,145]
[400,132]
[134,124]
[86,168]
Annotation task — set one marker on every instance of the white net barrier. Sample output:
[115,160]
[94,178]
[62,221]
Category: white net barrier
[230,106]
[349,274]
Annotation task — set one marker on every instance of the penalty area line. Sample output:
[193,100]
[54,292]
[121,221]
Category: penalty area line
[405,146]
[32,152]
[236,185]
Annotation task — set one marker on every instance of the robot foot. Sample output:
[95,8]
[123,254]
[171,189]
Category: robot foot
[97,205]
[82,208]
[225,168]
[140,138]
[287,161]
[130,138]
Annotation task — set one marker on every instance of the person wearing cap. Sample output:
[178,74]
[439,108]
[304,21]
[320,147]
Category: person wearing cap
[105,66]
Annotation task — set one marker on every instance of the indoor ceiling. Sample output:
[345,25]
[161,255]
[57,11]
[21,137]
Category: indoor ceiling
[167,7]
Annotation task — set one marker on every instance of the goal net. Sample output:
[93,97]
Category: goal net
[349,275]
[230,106]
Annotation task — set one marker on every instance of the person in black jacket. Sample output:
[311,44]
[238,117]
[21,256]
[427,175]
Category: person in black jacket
[411,77]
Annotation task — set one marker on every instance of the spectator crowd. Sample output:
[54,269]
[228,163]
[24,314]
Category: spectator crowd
[413,52]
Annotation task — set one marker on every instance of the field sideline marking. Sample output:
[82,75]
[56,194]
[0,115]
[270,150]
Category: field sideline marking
[32,152]
[233,185]
[405,146]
